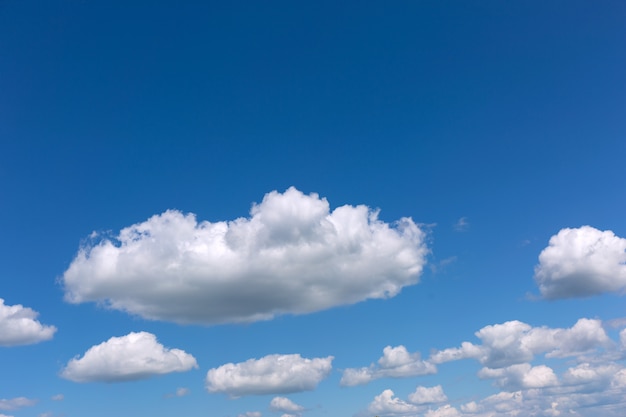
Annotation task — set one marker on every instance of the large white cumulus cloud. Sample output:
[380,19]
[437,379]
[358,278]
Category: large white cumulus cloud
[126,358]
[292,255]
[582,262]
[272,374]
[19,326]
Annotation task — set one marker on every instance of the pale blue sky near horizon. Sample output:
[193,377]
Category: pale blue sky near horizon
[493,125]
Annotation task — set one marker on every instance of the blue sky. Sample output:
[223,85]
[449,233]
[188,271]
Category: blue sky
[288,209]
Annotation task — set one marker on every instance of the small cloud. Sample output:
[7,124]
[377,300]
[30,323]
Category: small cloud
[428,395]
[131,357]
[285,405]
[461,225]
[396,362]
[16,403]
[18,326]
[272,374]
[250,414]
[58,397]
[582,262]
[180,392]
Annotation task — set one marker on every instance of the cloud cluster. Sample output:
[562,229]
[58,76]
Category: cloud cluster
[291,256]
[515,342]
[582,262]
[593,382]
[18,326]
[131,357]
[396,362]
[272,374]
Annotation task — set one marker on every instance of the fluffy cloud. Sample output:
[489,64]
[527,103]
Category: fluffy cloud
[272,374]
[292,255]
[285,405]
[16,403]
[426,395]
[396,362]
[582,262]
[130,357]
[250,414]
[18,326]
[386,403]
[515,342]
[444,411]
[521,376]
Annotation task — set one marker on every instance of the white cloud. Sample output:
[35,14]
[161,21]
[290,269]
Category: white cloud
[18,326]
[443,411]
[16,403]
[58,397]
[291,256]
[582,262]
[428,395]
[272,374]
[4,415]
[130,357]
[284,404]
[588,376]
[519,376]
[386,403]
[250,414]
[515,342]
[396,362]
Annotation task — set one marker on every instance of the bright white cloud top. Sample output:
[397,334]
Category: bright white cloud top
[19,326]
[582,262]
[396,362]
[292,255]
[272,374]
[131,357]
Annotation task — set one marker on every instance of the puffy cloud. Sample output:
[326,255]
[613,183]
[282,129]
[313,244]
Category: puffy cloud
[272,374]
[515,342]
[58,397]
[284,404]
[250,414]
[587,376]
[18,326]
[4,415]
[582,262]
[521,376]
[291,256]
[130,357]
[16,403]
[444,411]
[396,362]
[426,395]
[386,403]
